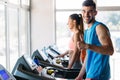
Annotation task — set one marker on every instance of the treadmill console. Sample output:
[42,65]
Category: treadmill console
[5,75]
[30,62]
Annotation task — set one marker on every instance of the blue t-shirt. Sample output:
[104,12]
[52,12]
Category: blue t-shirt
[97,66]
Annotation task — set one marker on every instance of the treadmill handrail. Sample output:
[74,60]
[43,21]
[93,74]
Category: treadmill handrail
[20,68]
[59,67]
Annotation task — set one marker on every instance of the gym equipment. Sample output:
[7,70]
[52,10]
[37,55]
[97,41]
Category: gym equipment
[25,69]
[59,71]
[5,75]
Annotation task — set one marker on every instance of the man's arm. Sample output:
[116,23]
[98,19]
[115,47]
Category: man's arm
[106,47]
[105,40]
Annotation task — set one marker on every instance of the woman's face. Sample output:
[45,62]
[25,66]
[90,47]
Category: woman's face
[70,23]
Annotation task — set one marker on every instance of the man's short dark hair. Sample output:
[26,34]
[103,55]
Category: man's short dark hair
[89,3]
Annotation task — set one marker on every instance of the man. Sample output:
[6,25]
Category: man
[97,43]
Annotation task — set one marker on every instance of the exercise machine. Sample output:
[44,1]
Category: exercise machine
[25,69]
[5,75]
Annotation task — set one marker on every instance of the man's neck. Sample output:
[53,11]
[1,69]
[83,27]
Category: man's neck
[90,24]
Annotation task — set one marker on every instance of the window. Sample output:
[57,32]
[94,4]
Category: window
[68,4]
[62,31]
[14,1]
[2,36]
[13,35]
[14,31]
[111,18]
[108,3]
[108,13]
[25,2]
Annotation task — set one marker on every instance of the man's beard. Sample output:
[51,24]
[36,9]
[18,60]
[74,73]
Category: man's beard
[90,21]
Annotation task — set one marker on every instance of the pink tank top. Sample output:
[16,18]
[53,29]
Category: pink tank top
[71,44]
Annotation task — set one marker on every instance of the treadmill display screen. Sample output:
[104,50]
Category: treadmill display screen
[4,75]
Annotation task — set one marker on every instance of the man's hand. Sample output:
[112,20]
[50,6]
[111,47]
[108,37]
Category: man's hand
[81,44]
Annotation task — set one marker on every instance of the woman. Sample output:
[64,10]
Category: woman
[75,24]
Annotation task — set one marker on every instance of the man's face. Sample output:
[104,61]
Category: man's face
[88,13]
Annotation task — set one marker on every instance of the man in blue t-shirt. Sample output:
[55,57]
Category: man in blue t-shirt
[97,43]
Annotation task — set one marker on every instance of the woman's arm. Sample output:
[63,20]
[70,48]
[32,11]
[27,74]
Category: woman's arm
[76,51]
[82,71]
[62,55]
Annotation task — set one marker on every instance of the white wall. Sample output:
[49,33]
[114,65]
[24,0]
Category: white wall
[42,23]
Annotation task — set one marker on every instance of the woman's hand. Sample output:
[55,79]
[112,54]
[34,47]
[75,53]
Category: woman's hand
[78,78]
[39,69]
[62,55]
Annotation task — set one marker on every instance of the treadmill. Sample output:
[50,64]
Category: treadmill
[25,69]
[60,71]
[5,75]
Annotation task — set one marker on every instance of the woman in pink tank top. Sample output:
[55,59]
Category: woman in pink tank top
[75,24]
